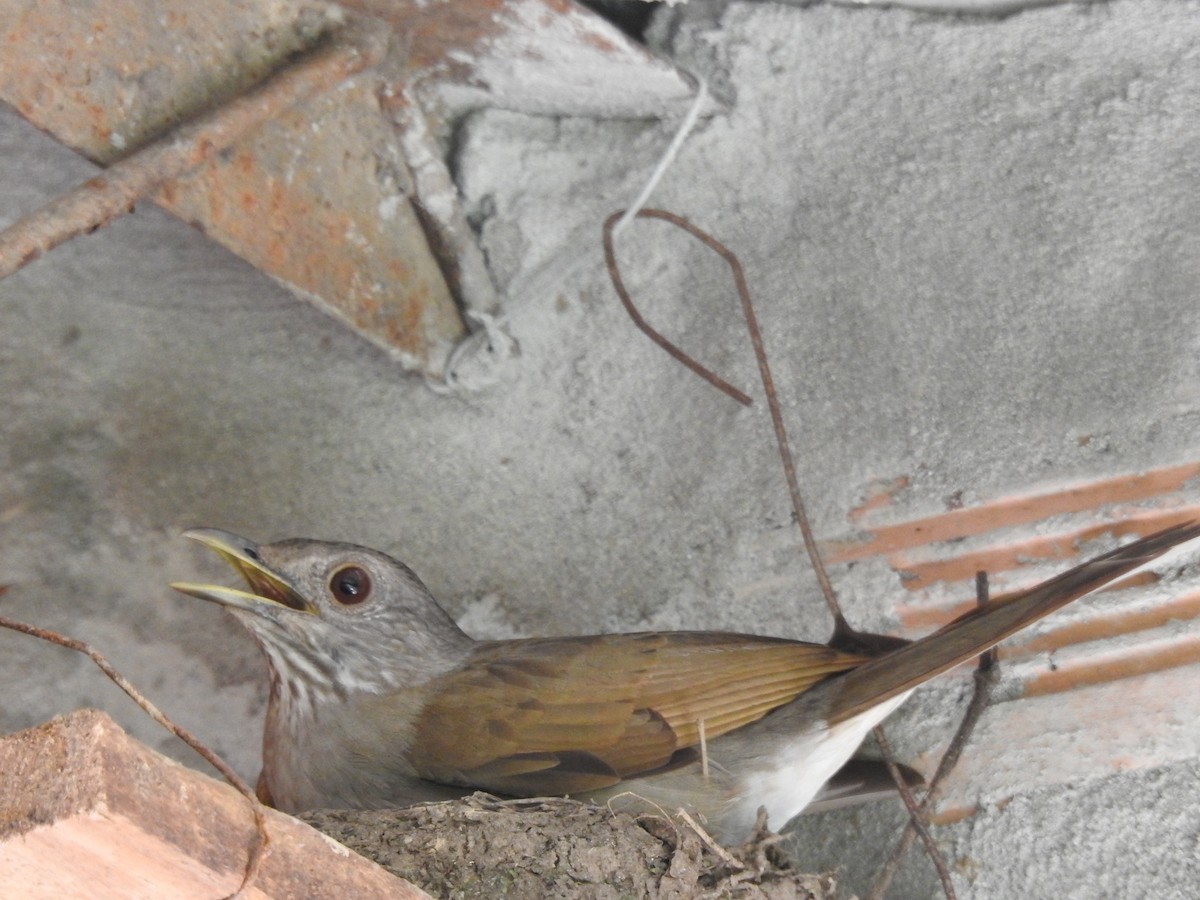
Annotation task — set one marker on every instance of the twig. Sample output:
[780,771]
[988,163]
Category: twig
[112,193]
[709,841]
[261,846]
[986,675]
[916,818]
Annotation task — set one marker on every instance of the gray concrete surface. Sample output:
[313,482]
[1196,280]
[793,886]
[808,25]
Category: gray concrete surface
[973,242]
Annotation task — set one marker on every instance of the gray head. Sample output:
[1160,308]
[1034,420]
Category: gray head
[333,619]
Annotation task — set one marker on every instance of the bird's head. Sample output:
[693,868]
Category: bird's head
[333,619]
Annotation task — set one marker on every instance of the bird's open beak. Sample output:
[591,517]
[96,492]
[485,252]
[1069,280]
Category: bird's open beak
[267,588]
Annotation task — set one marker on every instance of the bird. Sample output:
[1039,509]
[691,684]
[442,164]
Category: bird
[378,699]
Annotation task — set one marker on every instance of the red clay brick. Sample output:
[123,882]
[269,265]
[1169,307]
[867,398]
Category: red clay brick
[86,811]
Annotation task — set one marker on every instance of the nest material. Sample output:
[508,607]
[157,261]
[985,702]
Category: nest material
[554,848]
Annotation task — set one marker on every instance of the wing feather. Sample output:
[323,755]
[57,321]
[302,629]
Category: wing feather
[567,715]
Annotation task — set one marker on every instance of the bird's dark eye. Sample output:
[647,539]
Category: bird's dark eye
[350,585]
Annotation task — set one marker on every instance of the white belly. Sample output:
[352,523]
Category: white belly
[789,781]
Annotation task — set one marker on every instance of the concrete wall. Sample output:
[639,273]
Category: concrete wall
[973,245]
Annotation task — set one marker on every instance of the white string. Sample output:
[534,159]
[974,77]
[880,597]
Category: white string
[474,363]
[672,151]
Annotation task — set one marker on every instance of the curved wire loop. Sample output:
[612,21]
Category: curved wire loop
[842,629]
[610,257]
[844,636]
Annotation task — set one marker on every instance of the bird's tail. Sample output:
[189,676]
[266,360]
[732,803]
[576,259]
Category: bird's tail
[974,632]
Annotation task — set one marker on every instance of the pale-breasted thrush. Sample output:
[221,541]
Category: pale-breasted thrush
[378,699]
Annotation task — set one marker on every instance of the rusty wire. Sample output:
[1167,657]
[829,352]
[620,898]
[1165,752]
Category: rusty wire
[764,371]
[260,849]
[842,630]
[987,673]
[112,193]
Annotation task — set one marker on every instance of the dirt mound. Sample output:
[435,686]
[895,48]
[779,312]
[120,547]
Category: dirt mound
[552,848]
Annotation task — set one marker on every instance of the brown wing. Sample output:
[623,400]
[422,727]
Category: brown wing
[567,715]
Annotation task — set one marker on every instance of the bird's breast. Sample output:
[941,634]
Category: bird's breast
[340,754]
